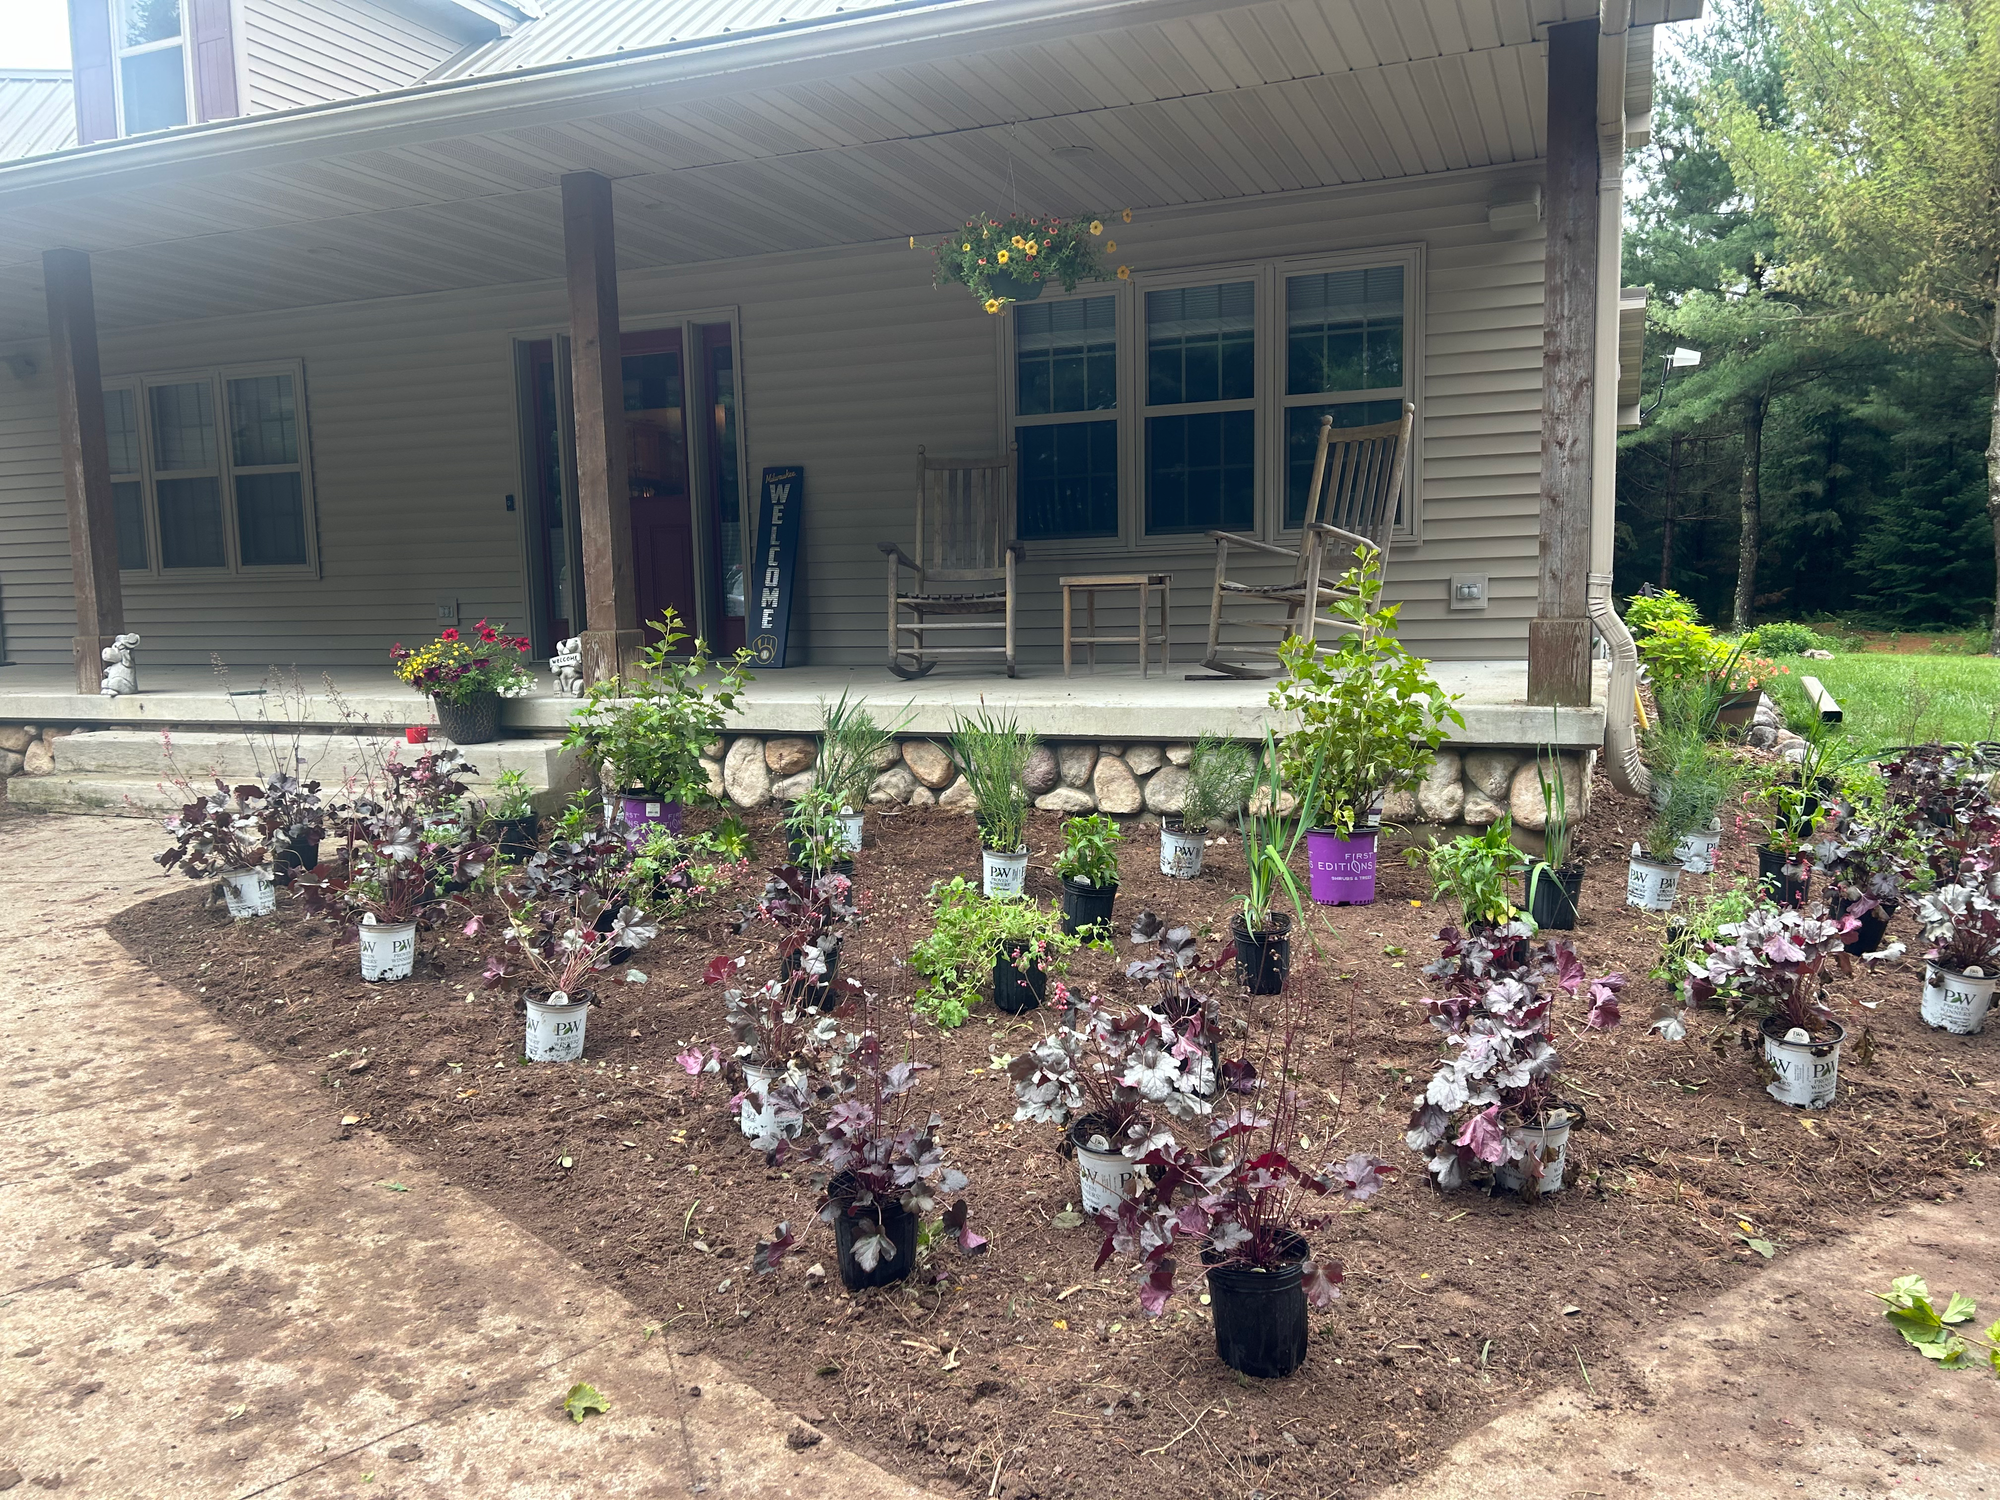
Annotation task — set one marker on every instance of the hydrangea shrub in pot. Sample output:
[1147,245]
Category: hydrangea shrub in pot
[1772,964]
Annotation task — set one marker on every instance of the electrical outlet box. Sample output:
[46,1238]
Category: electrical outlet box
[1468,591]
[447,609]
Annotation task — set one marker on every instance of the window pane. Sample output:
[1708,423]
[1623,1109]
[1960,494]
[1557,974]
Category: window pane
[121,430]
[183,425]
[270,520]
[146,21]
[1344,331]
[1068,482]
[1201,343]
[1302,446]
[263,421]
[154,90]
[1201,472]
[128,501]
[1066,355]
[191,523]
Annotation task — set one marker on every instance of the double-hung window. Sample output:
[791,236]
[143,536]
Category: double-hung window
[149,37]
[1066,417]
[1201,409]
[209,471]
[1344,358]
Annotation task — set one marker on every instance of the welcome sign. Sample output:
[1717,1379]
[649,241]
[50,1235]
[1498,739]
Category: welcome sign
[780,517]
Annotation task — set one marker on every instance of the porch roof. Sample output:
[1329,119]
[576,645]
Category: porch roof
[802,134]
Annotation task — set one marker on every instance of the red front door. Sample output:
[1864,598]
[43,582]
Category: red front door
[656,433]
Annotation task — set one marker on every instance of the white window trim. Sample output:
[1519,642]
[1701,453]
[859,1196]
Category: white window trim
[120,53]
[226,471]
[1269,403]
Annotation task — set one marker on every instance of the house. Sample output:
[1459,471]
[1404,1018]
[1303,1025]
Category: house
[332,361]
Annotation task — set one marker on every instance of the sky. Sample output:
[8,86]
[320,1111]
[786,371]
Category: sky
[36,34]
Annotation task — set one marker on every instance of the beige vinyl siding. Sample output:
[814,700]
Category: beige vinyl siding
[37,598]
[850,360]
[310,51]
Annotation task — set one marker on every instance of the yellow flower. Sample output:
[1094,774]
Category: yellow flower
[913,242]
[1001,256]
[1097,226]
[993,304]
[1124,273]
[1128,216]
[1031,250]
[1019,243]
[965,247]
[1110,246]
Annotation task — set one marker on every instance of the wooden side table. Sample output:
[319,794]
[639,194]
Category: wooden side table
[1088,584]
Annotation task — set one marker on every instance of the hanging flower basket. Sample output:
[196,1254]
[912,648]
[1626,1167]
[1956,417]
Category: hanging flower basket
[1015,259]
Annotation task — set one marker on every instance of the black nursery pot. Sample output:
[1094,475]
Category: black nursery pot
[850,1225]
[606,920]
[1017,986]
[1868,936]
[1786,890]
[817,991]
[1263,958]
[1553,895]
[515,838]
[1260,1315]
[1086,905]
[300,853]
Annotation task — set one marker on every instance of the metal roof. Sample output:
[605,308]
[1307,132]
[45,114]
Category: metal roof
[37,112]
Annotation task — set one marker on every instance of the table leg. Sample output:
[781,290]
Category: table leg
[1145,613]
[1066,632]
[1166,623]
[1090,609]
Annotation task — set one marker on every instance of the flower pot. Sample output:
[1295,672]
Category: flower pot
[1342,870]
[851,1223]
[1867,938]
[388,950]
[1956,1002]
[816,990]
[417,734]
[1786,889]
[1105,1179]
[1547,1148]
[1809,1071]
[1739,708]
[1553,895]
[515,838]
[1180,853]
[1017,986]
[249,893]
[1260,1315]
[1086,905]
[556,1027]
[643,811]
[1262,958]
[756,1116]
[1696,852]
[1019,288]
[1003,876]
[850,833]
[473,722]
[299,852]
[1651,884]
[606,920]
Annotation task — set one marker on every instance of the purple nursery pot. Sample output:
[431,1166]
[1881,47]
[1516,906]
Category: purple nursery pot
[1343,870]
[642,808]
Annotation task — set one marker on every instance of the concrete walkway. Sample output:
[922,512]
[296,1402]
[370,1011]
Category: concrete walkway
[207,1290]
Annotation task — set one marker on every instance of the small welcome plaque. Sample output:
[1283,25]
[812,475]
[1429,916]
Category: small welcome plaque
[780,518]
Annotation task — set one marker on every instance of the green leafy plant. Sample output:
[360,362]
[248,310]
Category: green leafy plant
[1934,1334]
[652,727]
[1475,871]
[583,1400]
[1089,854]
[812,824]
[1678,651]
[1368,715]
[1271,837]
[1645,612]
[512,798]
[993,753]
[1220,774]
[955,960]
[1786,638]
[998,259]
[850,744]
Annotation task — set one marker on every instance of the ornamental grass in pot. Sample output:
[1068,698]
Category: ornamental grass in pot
[853,748]
[1088,869]
[992,753]
[466,679]
[1220,775]
[1259,930]
[1554,883]
[1772,965]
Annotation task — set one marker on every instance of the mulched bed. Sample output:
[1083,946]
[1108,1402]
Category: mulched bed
[1455,1304]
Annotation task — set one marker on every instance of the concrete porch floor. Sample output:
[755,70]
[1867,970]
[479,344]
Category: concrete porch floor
[1114,703]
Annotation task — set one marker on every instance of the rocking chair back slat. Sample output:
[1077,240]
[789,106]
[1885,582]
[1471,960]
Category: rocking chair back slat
[1364,478]
[965,516]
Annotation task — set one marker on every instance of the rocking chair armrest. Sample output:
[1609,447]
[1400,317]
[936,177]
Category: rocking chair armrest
[890,549]
[1327,529]
[1230,538]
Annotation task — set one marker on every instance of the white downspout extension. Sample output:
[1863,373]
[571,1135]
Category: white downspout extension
[1621,739]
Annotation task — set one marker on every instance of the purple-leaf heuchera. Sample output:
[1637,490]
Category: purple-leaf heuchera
[1961,921]
[217,833]
[1772,962]
[1111,1070]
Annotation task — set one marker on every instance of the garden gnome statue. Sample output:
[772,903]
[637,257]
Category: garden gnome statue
[567,664]
[121,675]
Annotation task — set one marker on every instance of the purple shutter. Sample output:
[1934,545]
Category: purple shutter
[214,60]
[91,63]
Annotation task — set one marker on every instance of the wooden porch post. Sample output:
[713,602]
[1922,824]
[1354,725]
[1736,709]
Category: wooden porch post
[86,460]
[611,635]
[1559,635]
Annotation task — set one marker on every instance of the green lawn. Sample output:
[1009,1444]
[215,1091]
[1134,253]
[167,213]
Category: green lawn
[1906,699]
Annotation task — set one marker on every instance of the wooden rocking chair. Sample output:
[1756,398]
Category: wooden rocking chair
[1360,474]
[965,536]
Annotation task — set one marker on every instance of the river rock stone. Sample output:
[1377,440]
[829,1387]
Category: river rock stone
[1144,760]
[928,763]
[1490,771]
[39,759]
[1116,787]
[1066,799]
[744,775]
[923,796]
[890,754]
[715,750]
[712,769]
[1076,762]
[1401,807]
[1759,736]
[1441,795]
[1166,789]
[1043,773]
[791,788]
[893,785]
[16,737]
[1524,795]
[1260,803]
[958,797]
[789,754]
[1480,810]
[1179,755]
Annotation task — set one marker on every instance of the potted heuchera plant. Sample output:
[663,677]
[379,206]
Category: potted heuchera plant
[1176,973]
[1493,1098]
[292,819]
[1102,1077]
[1772,963]
[1871,860]
[811,916]
[1245,1203]
[216,838]
[1961,923]
[561,948]
[467,679]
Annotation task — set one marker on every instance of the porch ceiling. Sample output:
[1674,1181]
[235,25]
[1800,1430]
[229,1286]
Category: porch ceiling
[901,119]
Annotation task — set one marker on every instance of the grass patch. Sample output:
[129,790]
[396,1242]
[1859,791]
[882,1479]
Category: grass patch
[1902,700]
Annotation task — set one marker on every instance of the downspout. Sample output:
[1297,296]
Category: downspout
[1621,738]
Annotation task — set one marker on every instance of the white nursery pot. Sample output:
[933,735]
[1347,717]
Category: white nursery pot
[1956,1002]
[249,893]
[556,1031]
[1548,1144]
[1696,852]
[1808,1073]
[850,833]
[754,1115]
[1180,853]
[388,950]
[1106,1179]
[1004,875]
[1651,885]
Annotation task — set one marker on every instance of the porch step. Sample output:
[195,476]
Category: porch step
[124,772]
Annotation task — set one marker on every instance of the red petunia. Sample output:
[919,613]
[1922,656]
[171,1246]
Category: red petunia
[488,633]
[448,634]
[522,643]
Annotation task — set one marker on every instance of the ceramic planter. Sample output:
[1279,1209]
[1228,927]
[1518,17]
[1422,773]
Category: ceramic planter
[1260,1315]
[1003,876]
[1342,870]
[852,1223]
[1956,1002]
[1547,1147]
[1180,852]
[1263,958]
[473,722]
[1808,1072]
[249,893]
[555,1027]
[1086,905]
[1651,884]
[388,950]
[1553,895]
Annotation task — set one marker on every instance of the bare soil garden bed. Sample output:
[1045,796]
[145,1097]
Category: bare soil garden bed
[1026,1357]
